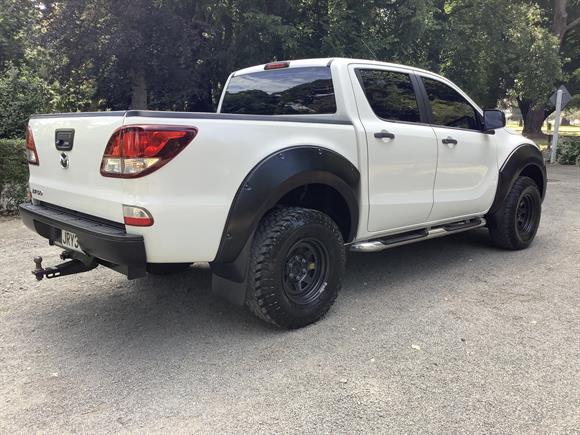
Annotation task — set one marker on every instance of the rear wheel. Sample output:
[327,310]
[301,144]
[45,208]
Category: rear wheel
[296,269]
[516,223]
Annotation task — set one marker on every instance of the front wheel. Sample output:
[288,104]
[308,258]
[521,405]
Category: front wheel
[516,223]
[296,268]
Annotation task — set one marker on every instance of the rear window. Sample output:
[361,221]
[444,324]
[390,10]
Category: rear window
[289,91]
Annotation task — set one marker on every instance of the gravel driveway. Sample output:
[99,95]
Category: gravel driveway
[450,335]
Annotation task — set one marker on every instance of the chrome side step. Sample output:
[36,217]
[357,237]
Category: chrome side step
[417,236]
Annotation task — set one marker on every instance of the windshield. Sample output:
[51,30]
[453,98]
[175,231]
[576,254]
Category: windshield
[289,91]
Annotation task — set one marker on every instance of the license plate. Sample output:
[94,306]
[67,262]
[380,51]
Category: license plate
[70,241]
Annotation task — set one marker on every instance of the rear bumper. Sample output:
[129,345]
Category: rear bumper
[106,241]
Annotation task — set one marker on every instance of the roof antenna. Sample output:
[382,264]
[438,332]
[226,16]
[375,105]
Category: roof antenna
[369,49]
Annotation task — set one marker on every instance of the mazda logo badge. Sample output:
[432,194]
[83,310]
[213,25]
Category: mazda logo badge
[64,160]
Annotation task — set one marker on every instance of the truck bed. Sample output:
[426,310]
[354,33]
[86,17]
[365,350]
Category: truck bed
[189,197]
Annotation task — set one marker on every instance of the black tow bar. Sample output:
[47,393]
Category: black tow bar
[70,267]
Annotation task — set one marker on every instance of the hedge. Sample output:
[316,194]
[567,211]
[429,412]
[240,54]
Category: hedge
[569,151]
[13,174]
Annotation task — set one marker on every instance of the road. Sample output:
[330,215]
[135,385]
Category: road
[447,336]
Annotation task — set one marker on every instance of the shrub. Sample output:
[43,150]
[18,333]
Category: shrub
[13,173]
[22,93]
[569,151]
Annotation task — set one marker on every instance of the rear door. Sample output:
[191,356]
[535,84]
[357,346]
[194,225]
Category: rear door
[467,170]
[402,149]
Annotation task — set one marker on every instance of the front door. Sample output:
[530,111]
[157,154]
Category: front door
[467,170]
[402,151]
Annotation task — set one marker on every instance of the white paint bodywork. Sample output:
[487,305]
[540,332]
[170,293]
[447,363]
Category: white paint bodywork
[412,181]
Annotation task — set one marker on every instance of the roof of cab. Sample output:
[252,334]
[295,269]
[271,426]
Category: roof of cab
[293,64]
[327,61]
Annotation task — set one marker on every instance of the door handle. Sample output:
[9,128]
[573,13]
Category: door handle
[449,141]
[384,134]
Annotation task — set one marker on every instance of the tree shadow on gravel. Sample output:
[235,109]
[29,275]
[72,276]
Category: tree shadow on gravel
[149,316]
[393,267]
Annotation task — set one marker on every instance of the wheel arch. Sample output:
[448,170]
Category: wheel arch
[526,160]
[328,200]
[286,177]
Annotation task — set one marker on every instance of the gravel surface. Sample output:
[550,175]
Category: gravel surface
[446,336]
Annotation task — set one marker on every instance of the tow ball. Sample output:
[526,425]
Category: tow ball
[70,267]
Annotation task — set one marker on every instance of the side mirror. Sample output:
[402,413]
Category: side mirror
[493,119]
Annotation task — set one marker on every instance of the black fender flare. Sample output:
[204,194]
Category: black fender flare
[277,175]
[525,157]
[267,183]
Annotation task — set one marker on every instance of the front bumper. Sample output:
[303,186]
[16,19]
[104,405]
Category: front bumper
[106,241]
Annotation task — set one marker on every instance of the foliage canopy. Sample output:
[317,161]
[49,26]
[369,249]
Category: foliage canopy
[69,55]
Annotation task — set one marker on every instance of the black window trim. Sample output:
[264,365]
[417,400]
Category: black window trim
[422,99]
[423,112]
[423,102]
[428,108]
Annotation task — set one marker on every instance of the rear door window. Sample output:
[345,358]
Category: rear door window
[288,91]
[449,108]
[390,94]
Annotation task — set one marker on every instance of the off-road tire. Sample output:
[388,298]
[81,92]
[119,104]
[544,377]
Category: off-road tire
[281,233]
[512,227]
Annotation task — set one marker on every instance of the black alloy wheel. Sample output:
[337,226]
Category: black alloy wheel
[305,271]
[526,215]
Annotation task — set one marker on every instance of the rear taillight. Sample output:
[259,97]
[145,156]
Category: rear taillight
[137,150]
[31,154]
[137,216]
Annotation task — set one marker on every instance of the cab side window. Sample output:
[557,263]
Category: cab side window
[390,94]
[449,108]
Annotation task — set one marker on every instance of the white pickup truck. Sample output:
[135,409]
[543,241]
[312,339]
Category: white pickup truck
[302,161]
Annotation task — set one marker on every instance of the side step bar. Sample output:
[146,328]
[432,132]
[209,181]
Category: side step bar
[417,236]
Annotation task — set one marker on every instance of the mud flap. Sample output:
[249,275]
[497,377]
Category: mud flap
[229,280]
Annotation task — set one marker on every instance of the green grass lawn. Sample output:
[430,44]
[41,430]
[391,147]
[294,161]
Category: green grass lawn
[567,130]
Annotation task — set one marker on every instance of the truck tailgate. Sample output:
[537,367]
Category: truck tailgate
[71,178]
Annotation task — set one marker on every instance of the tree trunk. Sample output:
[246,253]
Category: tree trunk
[533,119]
[321,26]
[560,19]
[533,122]
[138,89]
[534,116]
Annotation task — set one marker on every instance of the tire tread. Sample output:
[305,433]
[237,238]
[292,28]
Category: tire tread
[259,301]
[501,228]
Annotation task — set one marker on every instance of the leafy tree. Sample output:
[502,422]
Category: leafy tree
[139,54]
[177,54]
[391,30]
[21,94]
[562,20]
[15,22]
[23,91]
[244,33]
[496,49]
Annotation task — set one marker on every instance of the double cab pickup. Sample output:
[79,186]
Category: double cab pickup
[302,161]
